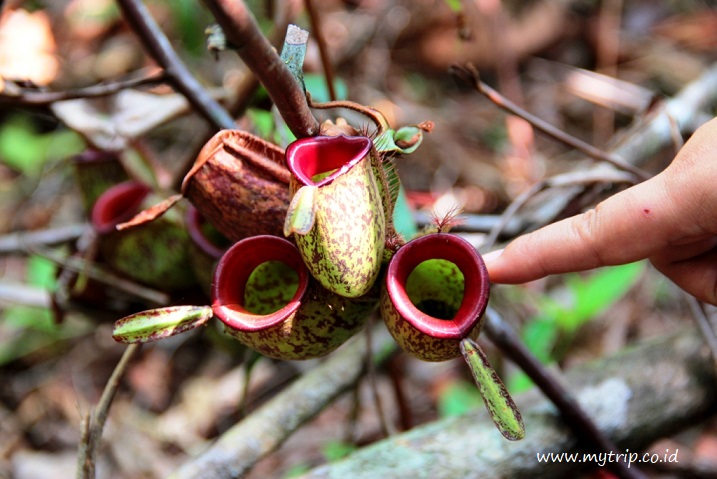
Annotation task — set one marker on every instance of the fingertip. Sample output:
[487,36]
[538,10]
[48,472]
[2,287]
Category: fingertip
[491,257]
[491,260]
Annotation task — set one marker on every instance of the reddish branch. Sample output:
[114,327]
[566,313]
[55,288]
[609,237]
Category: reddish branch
[242,32]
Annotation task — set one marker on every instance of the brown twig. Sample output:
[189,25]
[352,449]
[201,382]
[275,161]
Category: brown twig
[20,241]
[24,294]
[249,83]
[38,97]
[323,48]
[636,397]
[68,279]
[395,373]
[566,179]
[158,46]
[241,30]
[470,75]
[94,423]
[475,223]
[607,57]
[245,90]
[704,325]
[100,274]
[387,427]
[503,336]
[243,94]
[521,139]
[237,450]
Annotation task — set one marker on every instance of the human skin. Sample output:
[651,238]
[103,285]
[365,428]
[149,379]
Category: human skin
[670,219]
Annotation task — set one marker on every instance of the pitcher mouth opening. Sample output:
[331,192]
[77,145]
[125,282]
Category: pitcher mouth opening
[204,235]
[117,205]
[436,288]
[232,278]
[318,161]
[456,320]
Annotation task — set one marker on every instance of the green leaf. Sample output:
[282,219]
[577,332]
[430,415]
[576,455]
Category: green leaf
[138,167]
[297,470]
[458,398]
[519,382]
[540,336]
[263,122]
[593,294]
[25,329]
[301,215]
[454,5]
[21,148]
[500,405]
[41,272]
[403,220]
[604,288]
[187,14]
[31,318]
[155,324]
[408,138]
[26,151]
[62,143]
[335,450]
[319,90]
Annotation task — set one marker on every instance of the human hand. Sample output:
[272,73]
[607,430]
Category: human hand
[671,219]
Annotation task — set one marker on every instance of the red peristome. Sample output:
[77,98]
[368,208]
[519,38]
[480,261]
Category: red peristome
[233,271]
[117,205]
[476,290]
[194,221]
[308,157]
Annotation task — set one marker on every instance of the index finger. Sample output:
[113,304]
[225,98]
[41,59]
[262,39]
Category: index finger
[631,225]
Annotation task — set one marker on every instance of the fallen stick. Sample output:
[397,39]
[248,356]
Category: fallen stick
[636,396]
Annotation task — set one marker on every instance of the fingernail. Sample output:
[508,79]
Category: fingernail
[492,256]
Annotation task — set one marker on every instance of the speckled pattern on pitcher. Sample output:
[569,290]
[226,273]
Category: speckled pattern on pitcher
[237,196]
[323,322]
[416,342]
[344,249]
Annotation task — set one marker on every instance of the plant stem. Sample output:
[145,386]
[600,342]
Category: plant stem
[94,423]
[241,30]
[158,46]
